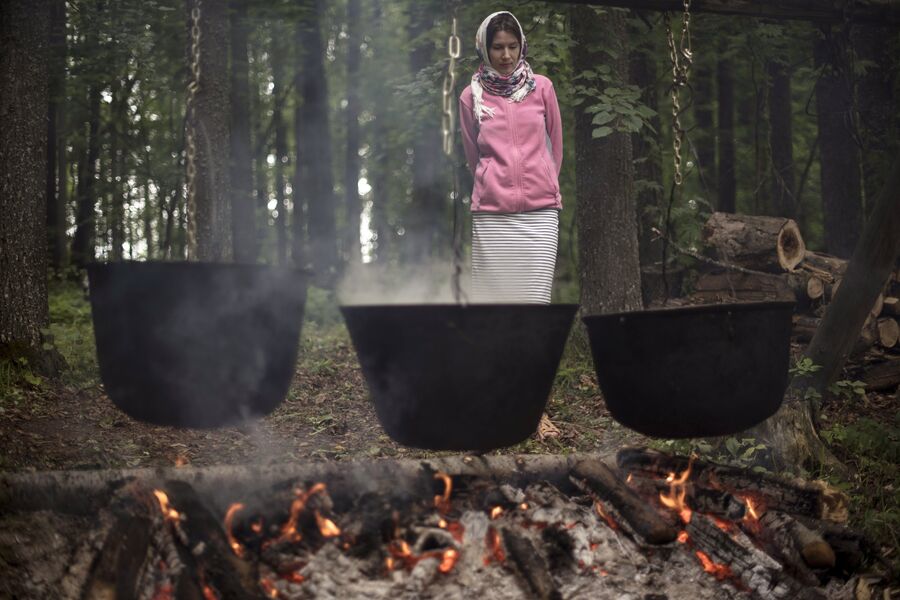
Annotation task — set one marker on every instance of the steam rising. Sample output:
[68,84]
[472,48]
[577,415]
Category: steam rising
[428,283]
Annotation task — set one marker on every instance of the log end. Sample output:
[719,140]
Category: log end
[818,555]
[790,246]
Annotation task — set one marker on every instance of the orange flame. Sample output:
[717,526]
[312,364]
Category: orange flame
[602,514]
[257,526]
[496,512]
[751,509]
[236,546]
[289,530]
[675,498]
[442,502]
[442,524]
[209,593]
[629,478]
[683,537]
[181,461]
[718,570]
[164,592]
[169,513]
[327,526]
[523,506]
[448,560]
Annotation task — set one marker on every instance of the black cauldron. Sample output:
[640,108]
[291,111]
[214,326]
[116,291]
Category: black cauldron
[459,377]
[196,344]
[694,371]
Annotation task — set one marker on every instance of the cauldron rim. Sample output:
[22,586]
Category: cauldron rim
[451,305]
[99,264]
[696,309]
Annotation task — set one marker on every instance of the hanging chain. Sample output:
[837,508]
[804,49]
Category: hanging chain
[190,138]
[681,58]
[448,130]
[448,121]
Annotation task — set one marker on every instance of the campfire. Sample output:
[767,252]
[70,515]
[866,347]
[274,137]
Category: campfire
[646,525]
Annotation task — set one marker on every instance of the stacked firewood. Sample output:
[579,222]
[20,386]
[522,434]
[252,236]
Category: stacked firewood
[767,259]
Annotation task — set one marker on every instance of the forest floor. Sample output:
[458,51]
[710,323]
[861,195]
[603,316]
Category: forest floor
[70,423]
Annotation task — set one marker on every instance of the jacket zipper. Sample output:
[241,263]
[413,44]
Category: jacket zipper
[517,174]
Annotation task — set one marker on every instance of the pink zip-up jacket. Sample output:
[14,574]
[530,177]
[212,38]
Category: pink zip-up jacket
[516,155]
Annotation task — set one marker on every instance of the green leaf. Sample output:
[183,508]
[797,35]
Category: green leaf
[732,445]
[600,132]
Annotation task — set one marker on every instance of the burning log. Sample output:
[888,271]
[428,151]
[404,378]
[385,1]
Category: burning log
[711,502]
[809,498]
[531,565]
[116,571]
[757,570]
[771,244]
[641,516]
[209,549]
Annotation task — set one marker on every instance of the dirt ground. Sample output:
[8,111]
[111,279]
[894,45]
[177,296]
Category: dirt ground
[327,415]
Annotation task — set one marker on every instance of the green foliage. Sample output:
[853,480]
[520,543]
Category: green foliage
[616,107]
[804,367]
[73,332]
[848,390]
[746,452]
[322,308]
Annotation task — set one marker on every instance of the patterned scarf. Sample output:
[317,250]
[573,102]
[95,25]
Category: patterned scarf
[514,87]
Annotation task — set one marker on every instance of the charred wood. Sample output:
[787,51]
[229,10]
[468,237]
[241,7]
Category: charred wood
[797,497]
[641,516]
[115,574]
[851,548]
[230,575]
[531,565]
[796,546]
[757,570]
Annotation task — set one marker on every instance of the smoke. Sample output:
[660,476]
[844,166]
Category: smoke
[422,283]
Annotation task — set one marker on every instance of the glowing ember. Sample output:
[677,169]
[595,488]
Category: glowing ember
[389,563]
[602,514]
[629,478]
[164,592]
[719,571]
[495,548]
[442,502]
[269,588]
[327,527]
[294,577]
[523,506]
[236,546]
[257,527]
[209,593]
[169,513]
[442,524]
[448,560]
[181,461]
[496,512]
[683,537]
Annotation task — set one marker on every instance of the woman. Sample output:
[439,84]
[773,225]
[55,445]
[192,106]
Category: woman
[512,135]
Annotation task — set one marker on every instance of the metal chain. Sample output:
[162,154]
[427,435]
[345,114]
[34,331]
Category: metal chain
[448,131]
[448,120]
[681,57]
[190,138]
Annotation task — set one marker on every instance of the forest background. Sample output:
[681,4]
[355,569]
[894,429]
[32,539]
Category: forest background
[334,162]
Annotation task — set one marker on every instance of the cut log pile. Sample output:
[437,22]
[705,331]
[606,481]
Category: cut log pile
[550,528]
[769,261]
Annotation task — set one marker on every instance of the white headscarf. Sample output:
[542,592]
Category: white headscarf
[514,87]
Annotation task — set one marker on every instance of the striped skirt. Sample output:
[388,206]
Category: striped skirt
[514,256]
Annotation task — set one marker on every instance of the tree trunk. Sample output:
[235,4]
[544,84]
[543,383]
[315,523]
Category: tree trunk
[281,149]
[314,148]
[352,203]
[84,243]
[841,199]
[791,431]
[727,182]
[261,149]
[243,214]
[212,203]
[762,200]
[425,223]
[875,105]
[648,159]
[24,97]
[607,218]
[116,197]
[781,139]
[56,147]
